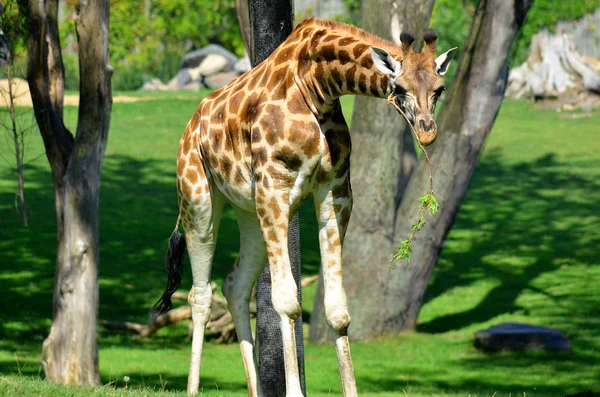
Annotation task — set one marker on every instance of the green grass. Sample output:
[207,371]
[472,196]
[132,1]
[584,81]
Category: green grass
[525,247]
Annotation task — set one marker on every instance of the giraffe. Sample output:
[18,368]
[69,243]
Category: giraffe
[265,142]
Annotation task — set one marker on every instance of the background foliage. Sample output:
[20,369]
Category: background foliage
[452,19]
[148,38]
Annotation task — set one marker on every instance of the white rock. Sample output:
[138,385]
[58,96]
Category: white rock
[154,85]
[243,65]
[193,86]
[220,79]
[173,84]
[213,63]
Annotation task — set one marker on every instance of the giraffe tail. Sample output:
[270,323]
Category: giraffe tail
[174,268]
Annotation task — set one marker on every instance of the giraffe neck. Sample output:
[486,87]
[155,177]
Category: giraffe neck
[336,62]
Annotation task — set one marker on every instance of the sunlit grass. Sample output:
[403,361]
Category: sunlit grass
[524,247]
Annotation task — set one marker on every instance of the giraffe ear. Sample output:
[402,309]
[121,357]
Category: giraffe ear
[443,61]
[385,63]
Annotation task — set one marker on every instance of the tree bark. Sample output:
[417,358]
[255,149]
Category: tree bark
[383,156]
[244,21]
[552,67]
[463,125]
[70,352]
[271,21]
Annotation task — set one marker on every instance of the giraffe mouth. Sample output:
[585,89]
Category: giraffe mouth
[425,132]
[426,138]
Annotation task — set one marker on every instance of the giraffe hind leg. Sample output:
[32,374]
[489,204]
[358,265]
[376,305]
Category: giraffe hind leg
[201,204]
[333,213]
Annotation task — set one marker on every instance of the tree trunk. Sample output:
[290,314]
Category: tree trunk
[70,352]
[463,125]
[383,157]
[271,21]
[552,67]
[377,228]
[244,21]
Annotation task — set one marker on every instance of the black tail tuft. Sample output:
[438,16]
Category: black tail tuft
[174,268]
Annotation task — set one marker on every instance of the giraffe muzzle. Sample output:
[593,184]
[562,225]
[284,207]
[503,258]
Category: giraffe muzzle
[426,131]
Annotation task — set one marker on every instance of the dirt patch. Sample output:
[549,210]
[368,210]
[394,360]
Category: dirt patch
[23,98]
[20,90]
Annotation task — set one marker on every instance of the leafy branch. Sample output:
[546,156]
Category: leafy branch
[427,203]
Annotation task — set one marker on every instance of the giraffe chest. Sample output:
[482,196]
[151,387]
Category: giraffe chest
[243,168]
[281,147]
[299,162]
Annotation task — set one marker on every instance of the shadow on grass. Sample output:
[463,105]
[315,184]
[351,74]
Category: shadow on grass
[530,218]
[138,210]
[518,211]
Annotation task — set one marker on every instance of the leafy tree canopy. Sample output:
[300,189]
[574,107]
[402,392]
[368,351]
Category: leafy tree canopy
[453,18]
[149,37]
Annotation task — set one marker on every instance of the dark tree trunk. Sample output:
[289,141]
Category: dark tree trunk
[70,352]
[383,157]
[463,125]
[271,21]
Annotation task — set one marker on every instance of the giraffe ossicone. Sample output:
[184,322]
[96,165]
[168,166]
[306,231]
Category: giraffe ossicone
[265,142]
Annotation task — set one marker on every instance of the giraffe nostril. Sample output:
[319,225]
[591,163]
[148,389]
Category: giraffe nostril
[426,126]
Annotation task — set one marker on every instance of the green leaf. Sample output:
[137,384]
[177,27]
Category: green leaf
[433,205]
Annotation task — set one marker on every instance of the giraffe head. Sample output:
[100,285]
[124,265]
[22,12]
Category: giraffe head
[416,80]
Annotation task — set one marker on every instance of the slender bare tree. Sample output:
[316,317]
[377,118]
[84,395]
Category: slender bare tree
[12,33]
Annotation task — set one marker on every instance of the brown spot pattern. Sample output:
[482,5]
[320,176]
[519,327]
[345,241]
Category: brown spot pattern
[288,157]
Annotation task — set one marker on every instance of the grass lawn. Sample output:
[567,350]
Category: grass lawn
[525,247]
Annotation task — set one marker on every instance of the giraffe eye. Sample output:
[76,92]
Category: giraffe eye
[439,91]
[399,90]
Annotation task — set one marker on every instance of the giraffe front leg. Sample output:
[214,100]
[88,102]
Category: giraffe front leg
[273,210]
[333,207]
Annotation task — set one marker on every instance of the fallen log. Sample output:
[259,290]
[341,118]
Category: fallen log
[219,326]
[143,330]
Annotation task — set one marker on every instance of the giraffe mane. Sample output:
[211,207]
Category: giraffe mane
[352,30]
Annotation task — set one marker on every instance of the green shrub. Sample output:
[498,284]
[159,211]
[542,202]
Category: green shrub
[127,77]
